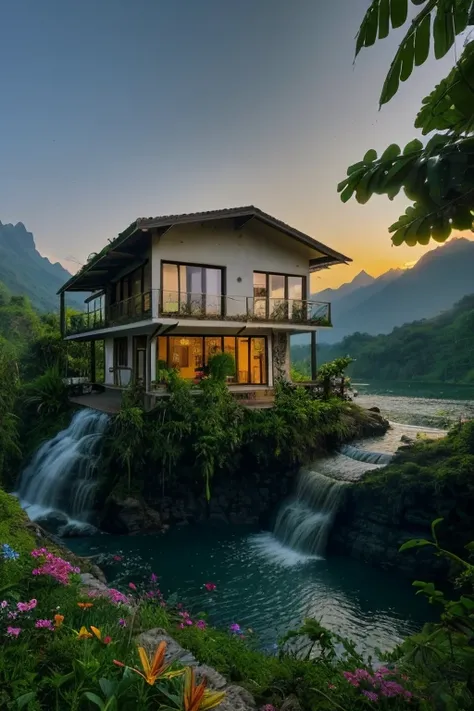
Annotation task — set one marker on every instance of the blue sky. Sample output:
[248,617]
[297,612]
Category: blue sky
[115,109]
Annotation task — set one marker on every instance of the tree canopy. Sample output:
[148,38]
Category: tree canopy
[438,175]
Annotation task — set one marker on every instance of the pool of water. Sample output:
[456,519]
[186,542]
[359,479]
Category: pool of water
[263,586]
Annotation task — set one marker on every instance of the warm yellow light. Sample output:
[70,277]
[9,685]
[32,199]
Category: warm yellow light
[184,342]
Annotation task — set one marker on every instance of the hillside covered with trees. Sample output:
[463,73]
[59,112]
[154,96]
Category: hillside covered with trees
[440,349]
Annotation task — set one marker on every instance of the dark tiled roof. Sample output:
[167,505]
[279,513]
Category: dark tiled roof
[249,211]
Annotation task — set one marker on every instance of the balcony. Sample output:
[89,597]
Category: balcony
[160,303]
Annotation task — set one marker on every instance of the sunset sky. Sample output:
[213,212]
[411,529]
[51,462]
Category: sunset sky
[117,109]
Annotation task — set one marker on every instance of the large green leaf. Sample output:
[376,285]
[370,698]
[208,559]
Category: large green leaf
[408,58]
[414,543]
[422,41]
[393,151]
[398,12]
[413,147]
[392,81]
[370,156]
[443,30]
[384,18]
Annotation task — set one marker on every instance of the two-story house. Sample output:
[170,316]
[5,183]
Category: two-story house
[179,288]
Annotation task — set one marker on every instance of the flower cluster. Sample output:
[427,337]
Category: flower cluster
[375,686]
[115,596]
[26,606]
[44,624]
[7,552]
[53,566]
[236,629]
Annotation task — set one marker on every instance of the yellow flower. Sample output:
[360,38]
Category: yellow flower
[97,632]
[156,668]
[196,697]
[58,620]
[85,605]
[83,633]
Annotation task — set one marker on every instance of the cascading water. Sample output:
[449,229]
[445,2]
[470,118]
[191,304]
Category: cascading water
[363,455]
[304,522]
[60,477]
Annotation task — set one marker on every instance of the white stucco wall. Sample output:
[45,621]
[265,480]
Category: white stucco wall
[253,248]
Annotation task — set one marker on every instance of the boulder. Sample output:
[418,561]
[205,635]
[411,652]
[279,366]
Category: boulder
[53,521]
[130,515]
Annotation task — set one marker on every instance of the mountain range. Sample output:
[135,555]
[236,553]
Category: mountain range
[378,305]
[24,271]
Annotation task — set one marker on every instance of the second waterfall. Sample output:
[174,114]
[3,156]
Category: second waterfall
[303,522]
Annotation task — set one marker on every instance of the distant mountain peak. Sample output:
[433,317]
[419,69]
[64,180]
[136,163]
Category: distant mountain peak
[363,278]
[23,270]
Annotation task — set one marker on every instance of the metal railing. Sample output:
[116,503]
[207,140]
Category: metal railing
[172,304]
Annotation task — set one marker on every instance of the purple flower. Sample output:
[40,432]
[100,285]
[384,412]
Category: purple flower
[201,624]
[235,628]
[371,695]
[122,622]
[27,606]
[13,631]
[12,615]
[153,578]
[3,604]
[44,624]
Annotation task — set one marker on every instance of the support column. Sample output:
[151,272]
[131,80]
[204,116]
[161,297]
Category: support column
[62,314]
[92,363]
[314,363]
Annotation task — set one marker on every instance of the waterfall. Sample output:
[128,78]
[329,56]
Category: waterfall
[303,522]
[363,455]
[59,481]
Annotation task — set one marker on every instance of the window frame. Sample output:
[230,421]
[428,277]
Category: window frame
[203,267]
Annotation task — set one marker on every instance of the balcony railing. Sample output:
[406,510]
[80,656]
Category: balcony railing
[172,304]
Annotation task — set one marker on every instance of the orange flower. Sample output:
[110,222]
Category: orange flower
[157,668]
[196,697]
[83,633]
[58,620]
[85,605]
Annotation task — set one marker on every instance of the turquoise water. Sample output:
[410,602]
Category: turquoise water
[263,586]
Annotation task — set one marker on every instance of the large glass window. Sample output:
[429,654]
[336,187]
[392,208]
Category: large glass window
[191,354]
[191,290]
[278,296]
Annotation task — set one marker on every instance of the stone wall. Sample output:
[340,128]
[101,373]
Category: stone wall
[371,528]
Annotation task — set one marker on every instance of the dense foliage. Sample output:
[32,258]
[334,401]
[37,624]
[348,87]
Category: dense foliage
[434,350]
[209,434]
[438,176]
[432,478]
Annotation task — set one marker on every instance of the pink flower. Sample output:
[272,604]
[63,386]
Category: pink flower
[44,624]
[12,615]
[13,631]
[181,626]
[210,587]
[3,604]
[268,707]
[117,558]
[132,586]
[107,639]
[153,578]
[53,566]
[27,606]
[189,622]
[122,622]
[117,597]
[371,695]
[201,624]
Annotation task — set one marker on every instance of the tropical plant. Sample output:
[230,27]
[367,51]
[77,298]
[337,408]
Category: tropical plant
[331,377]
[442,654]
[221,366]
[127,435]
[47,393]
[439,176]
